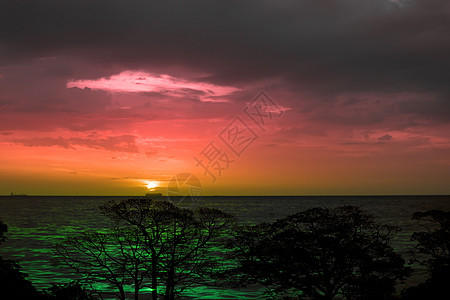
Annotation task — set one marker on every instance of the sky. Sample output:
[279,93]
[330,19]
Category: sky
[325,97]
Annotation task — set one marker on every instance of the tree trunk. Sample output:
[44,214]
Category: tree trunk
[328,296]
[137,283]
[170,284]
[122,293]
[154,275]
[136,291]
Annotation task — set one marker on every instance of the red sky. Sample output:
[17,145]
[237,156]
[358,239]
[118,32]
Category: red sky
[101,99]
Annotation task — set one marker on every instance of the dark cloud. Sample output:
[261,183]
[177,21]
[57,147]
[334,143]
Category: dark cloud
[351,101]
[124,143]
[322,48]
[295,132]
[4,103]
[385,137]
[436,108]
[344,45]
[44,142]
[151,153]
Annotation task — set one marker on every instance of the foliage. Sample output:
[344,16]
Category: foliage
[190,248]
[434,242]
[179,241]
[321,253]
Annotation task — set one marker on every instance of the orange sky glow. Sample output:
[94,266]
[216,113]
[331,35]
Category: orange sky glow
[293,155]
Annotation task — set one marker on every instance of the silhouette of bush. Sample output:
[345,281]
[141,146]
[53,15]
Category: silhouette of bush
[69,291]
[321,253]
[3,230]
[14,285]
[13,282]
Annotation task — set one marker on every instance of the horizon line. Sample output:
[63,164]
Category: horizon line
[216,195]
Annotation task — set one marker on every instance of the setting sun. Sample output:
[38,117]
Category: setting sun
[152,185]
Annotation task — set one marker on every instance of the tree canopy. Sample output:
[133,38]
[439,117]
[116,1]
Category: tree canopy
[116,257]
[321,253]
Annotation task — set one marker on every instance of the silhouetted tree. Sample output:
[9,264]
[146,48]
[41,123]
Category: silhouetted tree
[433,250]
[179,241]
[151,218]
[321,253]
[116,257]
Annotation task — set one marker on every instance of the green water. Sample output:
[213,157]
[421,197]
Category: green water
[36,223]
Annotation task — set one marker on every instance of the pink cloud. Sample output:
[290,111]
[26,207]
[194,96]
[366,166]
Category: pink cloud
[277,109]
[134,82]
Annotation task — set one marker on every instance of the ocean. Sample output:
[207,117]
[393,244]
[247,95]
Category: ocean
[37,222]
